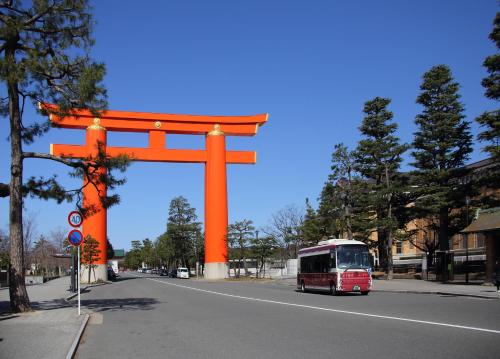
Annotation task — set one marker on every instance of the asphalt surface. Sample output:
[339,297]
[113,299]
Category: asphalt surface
[144,316]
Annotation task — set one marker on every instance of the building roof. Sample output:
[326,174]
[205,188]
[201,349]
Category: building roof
[488,220]
[119,253]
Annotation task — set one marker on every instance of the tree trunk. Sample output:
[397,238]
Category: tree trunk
[443,229]
[19,300]
[382,249]
[245,266]
[390,268]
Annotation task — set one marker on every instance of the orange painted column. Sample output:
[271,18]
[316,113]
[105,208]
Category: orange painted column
[215,206]
[96,224]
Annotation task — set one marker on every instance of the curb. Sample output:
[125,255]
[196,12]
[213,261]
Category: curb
[413,291]
[435,292]
[76,341]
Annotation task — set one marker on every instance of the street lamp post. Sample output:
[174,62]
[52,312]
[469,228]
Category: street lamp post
[467,201]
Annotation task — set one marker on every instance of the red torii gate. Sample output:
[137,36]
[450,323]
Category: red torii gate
[214,156]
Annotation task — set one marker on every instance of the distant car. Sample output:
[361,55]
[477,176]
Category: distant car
[163,272]
[140,270]
[111,274]
[154,271]
[147,271]
[182,272]
[172,273]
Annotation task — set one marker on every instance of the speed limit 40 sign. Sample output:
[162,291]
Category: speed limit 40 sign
[75,219]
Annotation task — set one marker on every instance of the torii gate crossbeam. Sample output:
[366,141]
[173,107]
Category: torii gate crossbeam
[214,156]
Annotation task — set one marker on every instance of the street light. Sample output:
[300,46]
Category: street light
[467,202]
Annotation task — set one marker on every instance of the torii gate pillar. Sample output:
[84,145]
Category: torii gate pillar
[215,206]
[96,224]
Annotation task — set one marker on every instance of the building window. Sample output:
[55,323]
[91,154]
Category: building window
[479,240]
[399,247]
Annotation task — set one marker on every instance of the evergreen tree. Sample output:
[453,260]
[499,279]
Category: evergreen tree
[239,233]
[110,251]
[441,145]
[165,250]
[133,258]
[378,158]
[330,211]
[262,248]
[341,196]
[148,253]
[182,229]
[45,47]
[311,228]
[90,254]
[490,121]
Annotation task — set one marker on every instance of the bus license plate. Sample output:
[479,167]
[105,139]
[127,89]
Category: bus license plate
[356,288]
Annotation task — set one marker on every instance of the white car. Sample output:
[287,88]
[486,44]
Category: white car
[182,272]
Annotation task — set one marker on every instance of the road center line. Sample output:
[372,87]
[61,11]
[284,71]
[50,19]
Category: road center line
[329,309]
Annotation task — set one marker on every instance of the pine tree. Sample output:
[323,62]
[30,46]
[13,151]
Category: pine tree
[133,258]
[182,229]
[490,122]
[341,196]
[262,248]
[90,254]
[240,233]
[311,228]
[45,47]
[110,251]
[378,158]
[441,145]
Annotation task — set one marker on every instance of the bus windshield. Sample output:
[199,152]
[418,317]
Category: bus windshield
[353,256]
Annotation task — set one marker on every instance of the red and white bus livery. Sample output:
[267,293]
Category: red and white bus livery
[336,265]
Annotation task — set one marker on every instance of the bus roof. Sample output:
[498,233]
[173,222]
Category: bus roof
[330,243]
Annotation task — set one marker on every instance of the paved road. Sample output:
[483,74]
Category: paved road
[155,317]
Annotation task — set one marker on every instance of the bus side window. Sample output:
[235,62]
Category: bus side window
[333,261]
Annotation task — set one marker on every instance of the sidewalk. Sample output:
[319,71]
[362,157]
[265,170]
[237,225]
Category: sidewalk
[423,287]
[49,331]
[428,287]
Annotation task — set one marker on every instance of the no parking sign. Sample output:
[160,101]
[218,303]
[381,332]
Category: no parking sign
[75,237]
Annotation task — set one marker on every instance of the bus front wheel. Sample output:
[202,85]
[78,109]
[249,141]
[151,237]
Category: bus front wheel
[302,287]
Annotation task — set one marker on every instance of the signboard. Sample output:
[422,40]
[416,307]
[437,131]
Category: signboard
[75,237]
[75,219]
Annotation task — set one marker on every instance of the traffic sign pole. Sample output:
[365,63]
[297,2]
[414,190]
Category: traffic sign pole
[78,280]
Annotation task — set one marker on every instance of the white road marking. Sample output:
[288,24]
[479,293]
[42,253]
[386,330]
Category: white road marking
[329,309]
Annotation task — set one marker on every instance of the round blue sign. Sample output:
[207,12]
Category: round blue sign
[75,237]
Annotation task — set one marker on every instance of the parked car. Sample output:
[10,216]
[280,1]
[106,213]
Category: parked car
[182,272]
[163,272]
[172,273]
[148,271]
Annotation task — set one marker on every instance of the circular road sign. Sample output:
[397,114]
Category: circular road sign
[75,237]
[75,219]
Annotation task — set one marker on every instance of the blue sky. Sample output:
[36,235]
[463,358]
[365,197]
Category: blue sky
[310,64]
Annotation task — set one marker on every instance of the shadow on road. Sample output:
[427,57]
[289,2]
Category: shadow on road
[121,279]
[120,304]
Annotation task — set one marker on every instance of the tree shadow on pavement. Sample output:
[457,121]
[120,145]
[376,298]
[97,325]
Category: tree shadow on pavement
[121,279]
[120,304]
[50,304]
